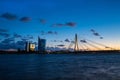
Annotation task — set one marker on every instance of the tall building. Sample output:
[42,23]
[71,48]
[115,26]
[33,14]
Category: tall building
[30,47]
[27,46]
[41,45]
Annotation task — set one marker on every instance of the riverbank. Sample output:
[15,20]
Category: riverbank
[61,52]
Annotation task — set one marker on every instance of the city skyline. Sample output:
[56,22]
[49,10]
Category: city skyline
[58,21]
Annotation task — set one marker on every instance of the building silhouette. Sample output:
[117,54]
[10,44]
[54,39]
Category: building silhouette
[29,47]
[41,45]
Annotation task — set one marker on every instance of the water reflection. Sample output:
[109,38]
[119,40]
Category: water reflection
[60,67]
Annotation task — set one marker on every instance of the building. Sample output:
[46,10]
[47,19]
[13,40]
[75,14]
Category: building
[29,47]
[41,45]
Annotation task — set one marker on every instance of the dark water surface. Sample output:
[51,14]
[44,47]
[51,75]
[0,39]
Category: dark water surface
[60,67]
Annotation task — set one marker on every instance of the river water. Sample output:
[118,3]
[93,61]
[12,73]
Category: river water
[60,66]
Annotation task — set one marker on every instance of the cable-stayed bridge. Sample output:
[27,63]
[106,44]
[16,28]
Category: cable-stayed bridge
[88,45]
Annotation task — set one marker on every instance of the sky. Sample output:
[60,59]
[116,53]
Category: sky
[58,20]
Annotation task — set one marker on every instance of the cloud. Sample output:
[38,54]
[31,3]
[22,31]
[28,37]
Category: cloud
[55,48]
[96,33]
[7,46]
[29,37]
[8,41]
[3,30]
[4,45]
[67,40]
[83,41]
[25,19]
[35,43]
[92,30]
[9,16]
[61,45]
[49,32]
[61,41]
[71,24]
[55,32]
[4,34]
[52,32]
[58,25]
[43,21]
[101,37]
[55,41]
[72,41]
[20,43]
[17,35]
[42,33]
[26,38]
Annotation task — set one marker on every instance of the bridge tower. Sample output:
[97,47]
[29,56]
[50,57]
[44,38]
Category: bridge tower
[76,47]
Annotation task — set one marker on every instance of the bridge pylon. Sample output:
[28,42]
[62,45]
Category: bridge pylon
[76,47]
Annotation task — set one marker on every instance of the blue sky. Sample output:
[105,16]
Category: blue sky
[101,15]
